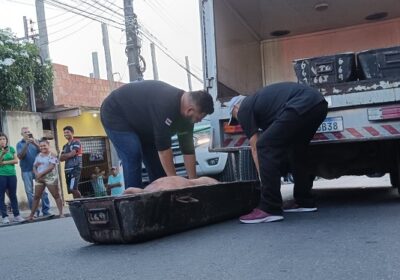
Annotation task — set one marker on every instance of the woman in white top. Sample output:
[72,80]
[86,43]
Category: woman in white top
[46,175]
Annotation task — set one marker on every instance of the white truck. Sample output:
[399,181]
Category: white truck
[248,44]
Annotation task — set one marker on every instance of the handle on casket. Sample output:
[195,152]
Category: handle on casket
[186,199]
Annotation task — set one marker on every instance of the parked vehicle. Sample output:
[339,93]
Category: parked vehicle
[207,163]
[250,44]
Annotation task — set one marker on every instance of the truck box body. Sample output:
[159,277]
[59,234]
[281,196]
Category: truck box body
[136,218]
[362,130]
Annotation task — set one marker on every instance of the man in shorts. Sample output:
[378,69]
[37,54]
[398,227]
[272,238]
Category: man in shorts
[72,155]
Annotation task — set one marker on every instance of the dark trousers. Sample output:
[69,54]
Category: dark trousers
[290,134]
[8,183]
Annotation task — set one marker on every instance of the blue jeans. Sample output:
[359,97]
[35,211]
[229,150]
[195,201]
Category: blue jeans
[8,183]
[132,151]
[27,177]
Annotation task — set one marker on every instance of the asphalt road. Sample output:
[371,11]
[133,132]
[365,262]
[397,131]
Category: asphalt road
[354,235]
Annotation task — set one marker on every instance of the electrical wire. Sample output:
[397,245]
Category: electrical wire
[108,8]
[83,12]
[114,5]
[69,34]
[161,48]
[109,12]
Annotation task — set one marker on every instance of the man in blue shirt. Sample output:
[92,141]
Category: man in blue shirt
[27,150]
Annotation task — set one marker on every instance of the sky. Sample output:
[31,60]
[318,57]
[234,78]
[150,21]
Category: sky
[73,38]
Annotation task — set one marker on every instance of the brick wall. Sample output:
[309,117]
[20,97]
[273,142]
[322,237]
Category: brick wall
[76,90]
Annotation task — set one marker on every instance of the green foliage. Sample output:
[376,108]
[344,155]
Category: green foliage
[20,66]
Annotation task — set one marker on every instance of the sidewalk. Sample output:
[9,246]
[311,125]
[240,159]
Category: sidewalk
[26,213]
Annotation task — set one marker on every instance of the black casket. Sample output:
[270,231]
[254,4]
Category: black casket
[136,218]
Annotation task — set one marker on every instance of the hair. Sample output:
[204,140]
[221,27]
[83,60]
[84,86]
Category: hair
[4,135]
[24,127]
[70,128]
[45,140]
[203,100]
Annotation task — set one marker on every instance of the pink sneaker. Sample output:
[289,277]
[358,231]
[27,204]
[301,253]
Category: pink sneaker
[259,216]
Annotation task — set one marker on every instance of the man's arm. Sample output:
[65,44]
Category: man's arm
[66,156]
[167,162]
[22,153]
[253,145]
[190,165]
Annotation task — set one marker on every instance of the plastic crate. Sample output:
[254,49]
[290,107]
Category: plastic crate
[380,63]
[331,69]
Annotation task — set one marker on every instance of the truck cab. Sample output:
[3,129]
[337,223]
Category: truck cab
[250,44]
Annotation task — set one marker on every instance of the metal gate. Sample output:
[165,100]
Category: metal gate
[96,153]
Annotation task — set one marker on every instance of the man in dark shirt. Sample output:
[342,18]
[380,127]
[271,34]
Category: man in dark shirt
[72,155]
[280,119]
[140,118]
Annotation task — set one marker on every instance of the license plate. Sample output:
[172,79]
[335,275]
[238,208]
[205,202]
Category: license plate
[331,125]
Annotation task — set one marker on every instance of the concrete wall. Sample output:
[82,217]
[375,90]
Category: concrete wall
[279,54]
[12,124]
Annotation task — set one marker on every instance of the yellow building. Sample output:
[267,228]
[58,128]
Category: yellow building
[95,146]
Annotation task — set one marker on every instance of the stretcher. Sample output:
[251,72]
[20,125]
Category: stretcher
[140,217]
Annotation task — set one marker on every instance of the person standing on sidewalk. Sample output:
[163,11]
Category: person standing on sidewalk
[115,182]
[27,150]
[72,155]
[280,119]
[8,179]
[45,170]
[97,182]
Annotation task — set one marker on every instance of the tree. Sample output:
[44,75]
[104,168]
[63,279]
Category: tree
[20,66]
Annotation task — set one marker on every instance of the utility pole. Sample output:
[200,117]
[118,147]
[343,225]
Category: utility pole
[96,69]
[26,27]
[43,37]
[132,47]
[189,76]
[32,97]
[154,61]
[106,45]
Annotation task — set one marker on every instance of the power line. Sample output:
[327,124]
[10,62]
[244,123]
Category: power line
[160,45]
[108,8]
[116,6]
[71,33]
[101,9]
[161,48]
[83,12]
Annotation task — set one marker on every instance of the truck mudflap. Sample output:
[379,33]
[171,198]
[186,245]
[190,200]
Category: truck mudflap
[136,218]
